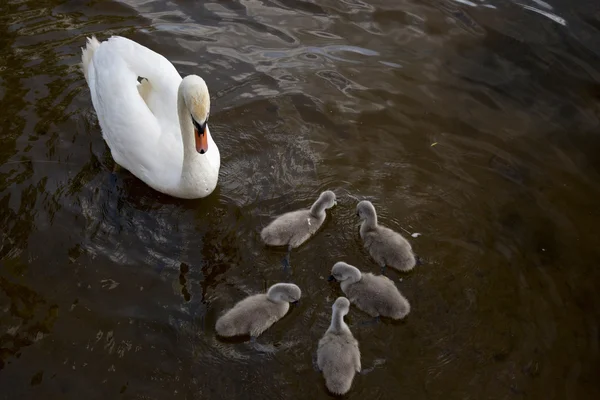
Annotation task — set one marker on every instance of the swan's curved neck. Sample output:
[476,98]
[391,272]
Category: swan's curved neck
[187,132]
[369,223]
[274,297]
[354,276]
[337,322]
[318,208]
[198,174]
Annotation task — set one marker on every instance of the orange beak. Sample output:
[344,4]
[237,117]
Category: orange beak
[201,140]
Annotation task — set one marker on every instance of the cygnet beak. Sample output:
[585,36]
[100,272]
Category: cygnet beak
[331,279]
[295,303]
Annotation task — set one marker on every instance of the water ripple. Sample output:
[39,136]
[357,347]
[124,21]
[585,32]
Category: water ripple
[473,122]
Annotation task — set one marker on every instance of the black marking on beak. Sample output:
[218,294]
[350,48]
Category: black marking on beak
[331,279]
[199,127]
[201,139]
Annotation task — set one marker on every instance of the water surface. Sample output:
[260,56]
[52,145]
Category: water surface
[473,123]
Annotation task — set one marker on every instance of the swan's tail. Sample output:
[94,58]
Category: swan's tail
[87,53]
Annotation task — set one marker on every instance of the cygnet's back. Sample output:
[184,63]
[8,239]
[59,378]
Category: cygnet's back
[294,228]
[338,355]
[376,295]
[386,246]
[256,313]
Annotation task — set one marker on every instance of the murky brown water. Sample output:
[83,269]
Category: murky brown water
[110,290]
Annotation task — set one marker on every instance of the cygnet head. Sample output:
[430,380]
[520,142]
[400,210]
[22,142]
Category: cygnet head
[328,198]
[365,210]
[341,305]
[195,95]
[342,271]
[325,201]
[287,292]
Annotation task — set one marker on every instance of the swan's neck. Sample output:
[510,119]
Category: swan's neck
[275,298]
[199,172]
[187,133]
[351,280]
[337,323]
[369,223]
[318,208]
[354,277]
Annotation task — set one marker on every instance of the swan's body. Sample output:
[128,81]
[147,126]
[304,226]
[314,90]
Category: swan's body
[296,227]
[375,295]
[256,313]
[156,129]
[388,248]
[338,355]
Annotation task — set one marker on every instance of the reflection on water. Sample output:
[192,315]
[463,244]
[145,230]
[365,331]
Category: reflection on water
[474,123]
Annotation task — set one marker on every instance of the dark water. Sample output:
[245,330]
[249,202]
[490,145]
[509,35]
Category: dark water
[110,290]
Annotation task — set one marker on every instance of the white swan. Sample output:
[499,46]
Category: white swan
[156,129]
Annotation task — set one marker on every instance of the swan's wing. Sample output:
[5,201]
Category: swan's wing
[131,130]
[162,80]
[144,62]
[356,356]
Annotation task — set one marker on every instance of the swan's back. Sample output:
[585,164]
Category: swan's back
[337,357]
[292,228]
[133,129]
[251,316]
[388,247]
[377,295]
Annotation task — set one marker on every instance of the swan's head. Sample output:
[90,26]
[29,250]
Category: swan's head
[284,292]
[197,100]
[328,198]
[342,271]
[325,201]
[365,210]
[341,305]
